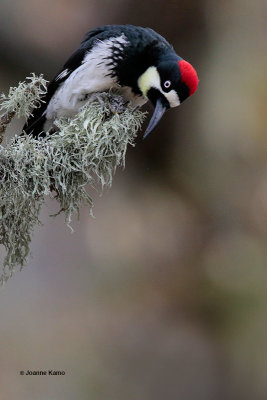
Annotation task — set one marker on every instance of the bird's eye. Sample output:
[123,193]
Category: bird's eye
[167,84]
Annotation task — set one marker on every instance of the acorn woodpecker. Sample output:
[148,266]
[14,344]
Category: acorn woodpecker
[137,61]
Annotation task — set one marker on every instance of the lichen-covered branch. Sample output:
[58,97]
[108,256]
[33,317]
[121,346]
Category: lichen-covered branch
[4,121]
[21,100]
[83,153]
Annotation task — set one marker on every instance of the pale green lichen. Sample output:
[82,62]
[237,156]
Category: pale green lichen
[83,153]
[27,95]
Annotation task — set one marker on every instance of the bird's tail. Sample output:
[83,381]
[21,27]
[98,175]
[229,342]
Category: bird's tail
[35,123]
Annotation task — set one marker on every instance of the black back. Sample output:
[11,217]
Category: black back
[145,46]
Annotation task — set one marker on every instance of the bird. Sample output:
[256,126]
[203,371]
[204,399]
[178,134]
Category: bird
[140,63]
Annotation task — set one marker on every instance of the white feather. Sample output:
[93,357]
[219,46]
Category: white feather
[62,74]
[93,75]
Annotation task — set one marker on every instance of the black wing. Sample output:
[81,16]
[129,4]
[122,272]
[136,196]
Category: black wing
[34,124]
[135,35]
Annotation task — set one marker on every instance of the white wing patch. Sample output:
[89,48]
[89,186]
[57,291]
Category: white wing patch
[93,75]
[62,74]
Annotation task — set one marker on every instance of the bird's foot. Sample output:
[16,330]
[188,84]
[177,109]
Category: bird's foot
[117,104]
[112,103]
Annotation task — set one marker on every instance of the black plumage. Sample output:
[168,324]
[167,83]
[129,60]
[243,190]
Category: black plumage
[125,62]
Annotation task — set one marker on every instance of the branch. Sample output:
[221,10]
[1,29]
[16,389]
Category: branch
[85,151]
[5,119]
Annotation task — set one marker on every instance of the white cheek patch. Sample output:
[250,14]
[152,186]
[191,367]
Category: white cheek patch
[151,79]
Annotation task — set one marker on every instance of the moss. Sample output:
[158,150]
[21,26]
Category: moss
[84,153]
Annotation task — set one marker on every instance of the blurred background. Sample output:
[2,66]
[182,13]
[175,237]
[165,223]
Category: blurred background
[164,294]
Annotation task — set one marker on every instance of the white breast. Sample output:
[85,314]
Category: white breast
[93,75]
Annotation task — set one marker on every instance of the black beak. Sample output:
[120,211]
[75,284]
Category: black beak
[160,109]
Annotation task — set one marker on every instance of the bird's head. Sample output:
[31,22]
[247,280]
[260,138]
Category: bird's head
[167,85]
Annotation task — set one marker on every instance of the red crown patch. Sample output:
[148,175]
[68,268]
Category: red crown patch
[188,76]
